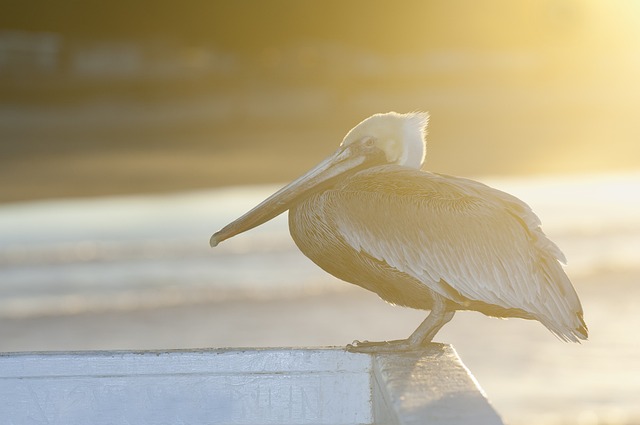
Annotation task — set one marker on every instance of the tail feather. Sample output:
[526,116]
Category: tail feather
[563,315]
[577,334]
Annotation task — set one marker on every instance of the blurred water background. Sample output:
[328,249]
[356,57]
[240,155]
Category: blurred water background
[130,133]
[76,258]
[70,256]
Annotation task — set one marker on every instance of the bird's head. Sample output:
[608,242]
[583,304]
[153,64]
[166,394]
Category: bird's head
[381,139]
[401,137]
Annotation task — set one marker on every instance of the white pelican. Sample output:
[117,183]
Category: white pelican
[368,215]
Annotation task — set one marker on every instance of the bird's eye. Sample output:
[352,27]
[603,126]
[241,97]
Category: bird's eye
[369,142]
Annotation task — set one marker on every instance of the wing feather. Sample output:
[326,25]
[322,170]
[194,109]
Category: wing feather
[484,243]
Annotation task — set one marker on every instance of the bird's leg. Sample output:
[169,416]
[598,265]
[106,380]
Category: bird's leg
[438,317]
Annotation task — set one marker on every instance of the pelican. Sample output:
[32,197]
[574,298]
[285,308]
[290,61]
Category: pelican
[368,215]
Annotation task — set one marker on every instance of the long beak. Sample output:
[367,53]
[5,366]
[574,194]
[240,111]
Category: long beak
[341,162]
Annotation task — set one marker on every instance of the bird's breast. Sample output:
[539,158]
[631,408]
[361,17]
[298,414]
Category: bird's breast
[314,229]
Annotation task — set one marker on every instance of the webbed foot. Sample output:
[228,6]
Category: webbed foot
[382,346]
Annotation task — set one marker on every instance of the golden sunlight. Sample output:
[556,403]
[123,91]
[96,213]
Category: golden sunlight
[197,109]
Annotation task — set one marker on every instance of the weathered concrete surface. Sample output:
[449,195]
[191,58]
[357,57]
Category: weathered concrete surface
[241,386]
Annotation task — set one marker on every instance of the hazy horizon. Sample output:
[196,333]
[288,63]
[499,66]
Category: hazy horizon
[118,98]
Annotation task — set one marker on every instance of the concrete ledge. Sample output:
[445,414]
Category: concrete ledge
[236,386]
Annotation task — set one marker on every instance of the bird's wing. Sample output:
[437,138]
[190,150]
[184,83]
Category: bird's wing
[484,243]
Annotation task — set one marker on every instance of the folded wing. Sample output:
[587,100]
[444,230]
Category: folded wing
[484,243]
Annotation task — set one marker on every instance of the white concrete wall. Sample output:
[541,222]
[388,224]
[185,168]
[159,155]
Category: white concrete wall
[234,386]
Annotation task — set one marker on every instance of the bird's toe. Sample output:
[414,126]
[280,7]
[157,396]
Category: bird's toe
[381,346]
